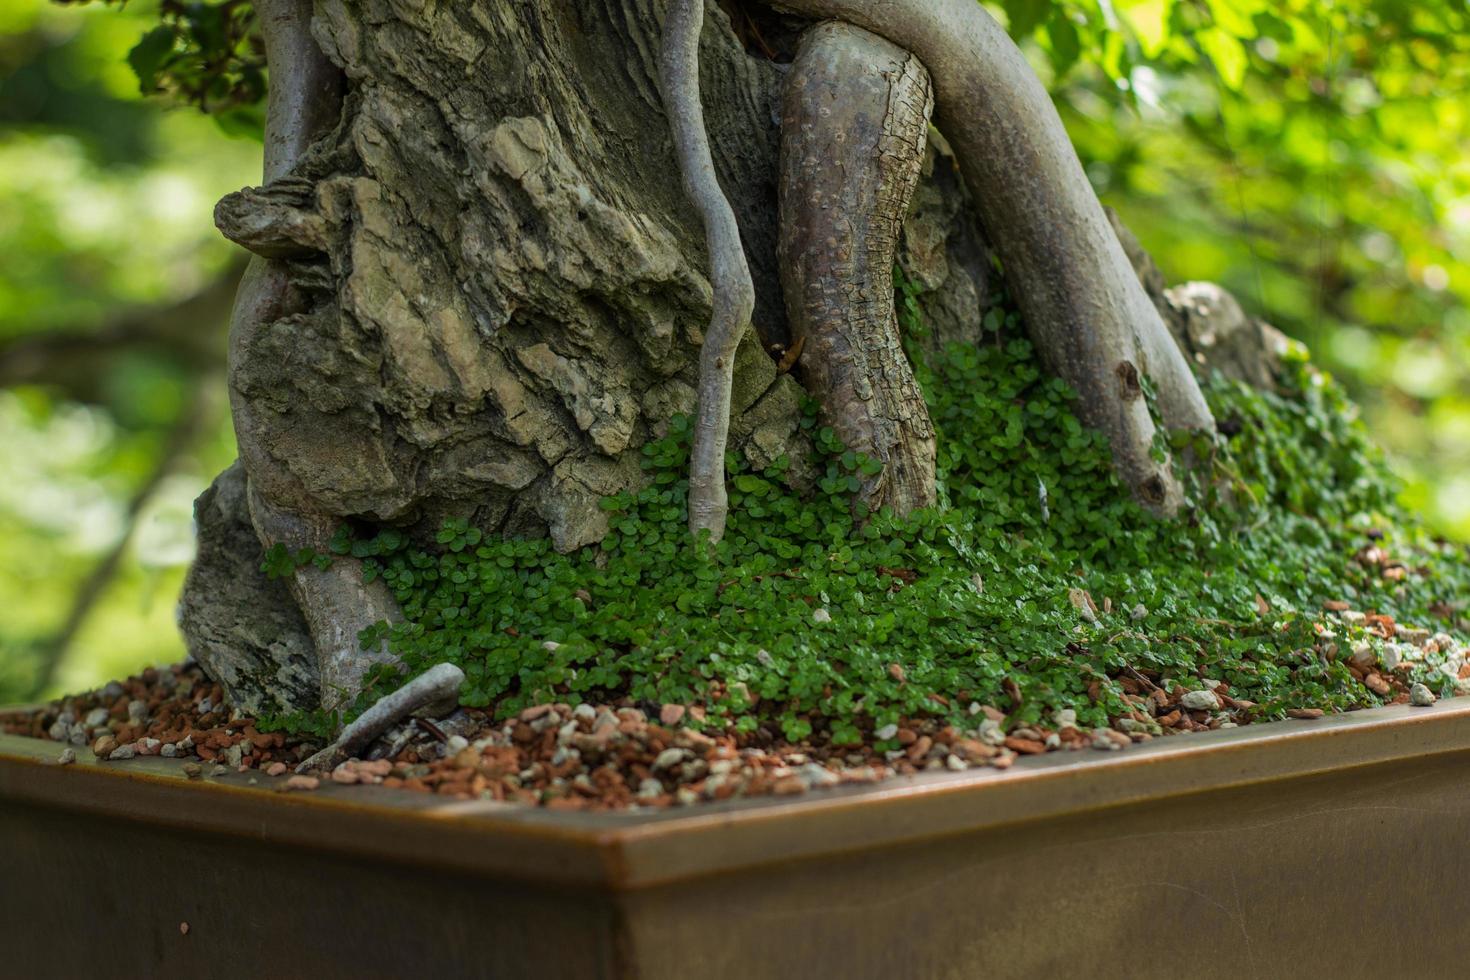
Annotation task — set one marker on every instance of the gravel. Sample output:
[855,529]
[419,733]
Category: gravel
[634,754]
[1421,696]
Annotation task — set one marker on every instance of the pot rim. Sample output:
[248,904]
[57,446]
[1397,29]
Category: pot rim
[637,849]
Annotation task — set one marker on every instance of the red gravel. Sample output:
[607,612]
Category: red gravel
[613,756]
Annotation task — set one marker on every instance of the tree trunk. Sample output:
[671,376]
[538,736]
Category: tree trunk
[481,285]
[488,288]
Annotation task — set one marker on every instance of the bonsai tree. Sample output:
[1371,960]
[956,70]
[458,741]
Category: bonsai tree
[822,284]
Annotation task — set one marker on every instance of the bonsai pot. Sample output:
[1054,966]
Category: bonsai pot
[1332,847]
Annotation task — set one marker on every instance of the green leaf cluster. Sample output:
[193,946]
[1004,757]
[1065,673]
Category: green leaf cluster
[814,620]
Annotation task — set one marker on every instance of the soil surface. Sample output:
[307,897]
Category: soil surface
[624,755]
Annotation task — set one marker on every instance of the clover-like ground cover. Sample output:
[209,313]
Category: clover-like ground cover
[1036,585]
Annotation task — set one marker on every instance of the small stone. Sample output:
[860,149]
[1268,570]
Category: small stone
[816,776]
[669,758]
[168,750]
[193,770]
[534,712]
[1140,612]
[1102,740]
[218,770]
[551,646]
[96,718]
[344,774]
[886,732]
[1025,746]
[137,711]
[584,712]
[183,928]
[1305,714]
[1064,718]
[765,658]
[972,749]
[896,672]
[1082,602]
[149,746]
[78,736]
[974,708]
[1200,701]
[1363,656]
[650,789]
[1352,617]
[671,714]
[1421,696]
[67,757]
[1376,684]
[300,783]
[205,706]
[456,745]
[121,752]
[954,763]
[276,769]
[59,731]
[821,615]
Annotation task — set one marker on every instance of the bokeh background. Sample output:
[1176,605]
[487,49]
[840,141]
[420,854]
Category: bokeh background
[1314,157]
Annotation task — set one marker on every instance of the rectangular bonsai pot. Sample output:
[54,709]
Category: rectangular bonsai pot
[1335,847]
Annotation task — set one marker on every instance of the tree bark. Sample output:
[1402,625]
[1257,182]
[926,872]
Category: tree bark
[480,290]
[1084,307]
[854,123]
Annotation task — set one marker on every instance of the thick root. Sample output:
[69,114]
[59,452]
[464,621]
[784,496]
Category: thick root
[1084,307]
[734,293]
[854,121]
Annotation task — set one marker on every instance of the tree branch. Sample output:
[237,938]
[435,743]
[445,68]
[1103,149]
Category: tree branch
[77,360]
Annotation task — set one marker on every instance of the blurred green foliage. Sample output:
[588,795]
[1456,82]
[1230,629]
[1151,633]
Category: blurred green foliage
[1313,157]
[105,228]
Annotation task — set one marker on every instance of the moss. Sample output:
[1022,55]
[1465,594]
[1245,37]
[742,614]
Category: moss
[831,624]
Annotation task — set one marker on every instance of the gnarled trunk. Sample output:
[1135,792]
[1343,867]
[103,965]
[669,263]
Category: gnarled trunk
[487,288]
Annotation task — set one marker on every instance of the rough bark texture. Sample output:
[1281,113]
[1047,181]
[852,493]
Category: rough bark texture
[490,289]
[1084,308]
[335,603]
[854,121]
[244,629]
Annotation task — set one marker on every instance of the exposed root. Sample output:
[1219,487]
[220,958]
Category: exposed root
[1085,309]
[336,602]
[734,293]
[854,123]
[435,691]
